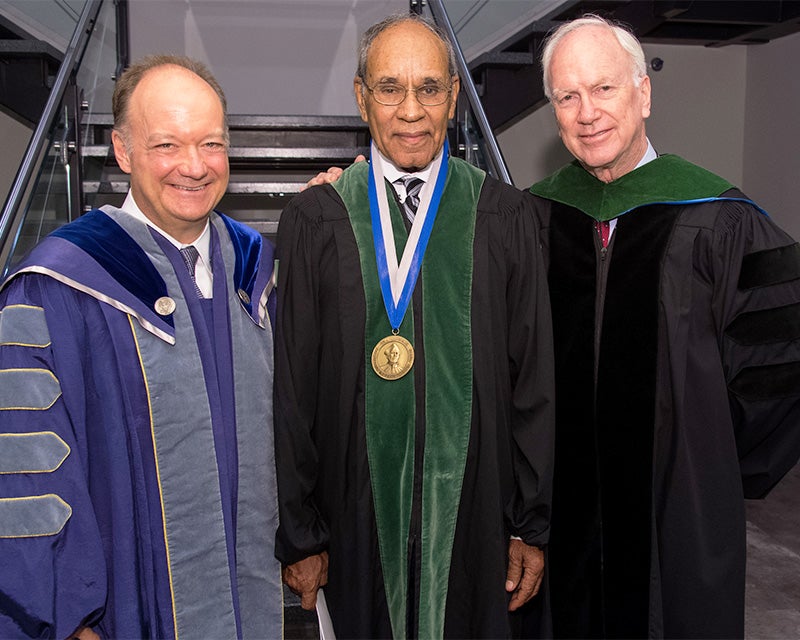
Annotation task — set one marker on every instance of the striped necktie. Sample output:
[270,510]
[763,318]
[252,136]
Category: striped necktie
[190,255]
[413,186]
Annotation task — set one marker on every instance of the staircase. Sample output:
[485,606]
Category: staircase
[271,158]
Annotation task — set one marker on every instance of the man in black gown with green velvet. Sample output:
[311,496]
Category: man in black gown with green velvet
[676,313]
[414,406]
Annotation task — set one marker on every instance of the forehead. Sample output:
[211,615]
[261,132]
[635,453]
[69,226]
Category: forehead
[588,55]
[173,88]
[407,49]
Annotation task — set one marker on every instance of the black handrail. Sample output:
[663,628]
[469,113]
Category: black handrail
[123,48]
[494,156]
[72,58]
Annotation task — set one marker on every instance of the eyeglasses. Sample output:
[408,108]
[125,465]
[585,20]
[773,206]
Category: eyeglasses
[391,95]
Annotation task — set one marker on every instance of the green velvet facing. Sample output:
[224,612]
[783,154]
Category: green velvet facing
[389,404]
[447,300]
[668,178]
[390,420]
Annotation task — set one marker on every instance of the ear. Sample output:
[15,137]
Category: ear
[645,88]
[454,96]
[121,152]
[358,90]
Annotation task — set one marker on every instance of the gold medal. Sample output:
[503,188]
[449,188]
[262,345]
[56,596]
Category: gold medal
[392,357]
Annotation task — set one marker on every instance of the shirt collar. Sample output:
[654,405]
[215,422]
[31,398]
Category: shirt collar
[649,155]
[392,172]
[202,243]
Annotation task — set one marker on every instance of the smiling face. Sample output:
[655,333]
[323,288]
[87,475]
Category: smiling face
[599,109]
[408,134]
[175,150]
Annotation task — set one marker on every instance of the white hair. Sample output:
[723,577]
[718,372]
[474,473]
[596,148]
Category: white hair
[625,38]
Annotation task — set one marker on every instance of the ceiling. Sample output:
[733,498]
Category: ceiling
[501,40]
[710,23]
[484,25]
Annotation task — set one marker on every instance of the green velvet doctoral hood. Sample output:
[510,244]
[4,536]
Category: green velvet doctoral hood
[667,179]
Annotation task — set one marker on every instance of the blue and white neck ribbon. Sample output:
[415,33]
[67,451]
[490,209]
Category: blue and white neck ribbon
[398,281]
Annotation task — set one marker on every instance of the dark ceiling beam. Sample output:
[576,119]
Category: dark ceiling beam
[748,12]
[509,79]
[27,71]
[507,91]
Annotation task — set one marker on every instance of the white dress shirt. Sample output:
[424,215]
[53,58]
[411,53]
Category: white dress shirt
[391,172]
[202,274]
[649,155]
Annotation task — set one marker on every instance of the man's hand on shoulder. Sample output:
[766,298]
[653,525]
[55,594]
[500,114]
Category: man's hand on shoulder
[305,578]
[331,175]
[525,569]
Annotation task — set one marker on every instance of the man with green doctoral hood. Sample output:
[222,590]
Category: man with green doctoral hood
[414,400]
[676,314]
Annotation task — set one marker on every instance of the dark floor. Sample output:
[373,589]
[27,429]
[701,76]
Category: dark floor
[298,624]
[773,570]
[773,562]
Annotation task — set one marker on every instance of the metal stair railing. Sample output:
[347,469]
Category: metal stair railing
[479,143]
[16,205]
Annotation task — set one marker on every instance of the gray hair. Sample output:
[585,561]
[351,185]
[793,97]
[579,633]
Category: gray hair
[375,30]
[625,38]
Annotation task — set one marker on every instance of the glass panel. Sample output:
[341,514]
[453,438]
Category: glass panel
[475,140]
[48,205]
[96,83]
[481,25]
[54,192]
[53,21]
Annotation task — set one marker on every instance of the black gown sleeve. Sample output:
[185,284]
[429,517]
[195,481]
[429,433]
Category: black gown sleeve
[756,267]
[530,365]
[302,531]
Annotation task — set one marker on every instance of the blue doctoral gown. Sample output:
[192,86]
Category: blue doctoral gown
[137,488]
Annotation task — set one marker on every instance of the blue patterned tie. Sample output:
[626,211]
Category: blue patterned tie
[413,187]
[190,255]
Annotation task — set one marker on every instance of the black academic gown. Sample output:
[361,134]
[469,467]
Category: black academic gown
[323,468]
[678,395]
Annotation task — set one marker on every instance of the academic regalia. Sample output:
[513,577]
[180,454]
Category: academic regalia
[415,485]
[678,395]
[137,489]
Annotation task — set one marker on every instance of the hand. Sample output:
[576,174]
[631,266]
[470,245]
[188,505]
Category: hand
[525,569]
[331,175]
[305,578]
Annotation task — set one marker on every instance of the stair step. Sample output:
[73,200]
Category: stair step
[277,123]
[262,154]
[240,188]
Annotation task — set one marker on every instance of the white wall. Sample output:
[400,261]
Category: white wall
[698,106]
[697,112]
[291,57]
[772,134]
[733,110]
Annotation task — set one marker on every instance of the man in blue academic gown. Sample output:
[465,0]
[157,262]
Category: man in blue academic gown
[137,490]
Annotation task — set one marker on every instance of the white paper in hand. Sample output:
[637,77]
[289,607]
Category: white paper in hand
[324,618]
